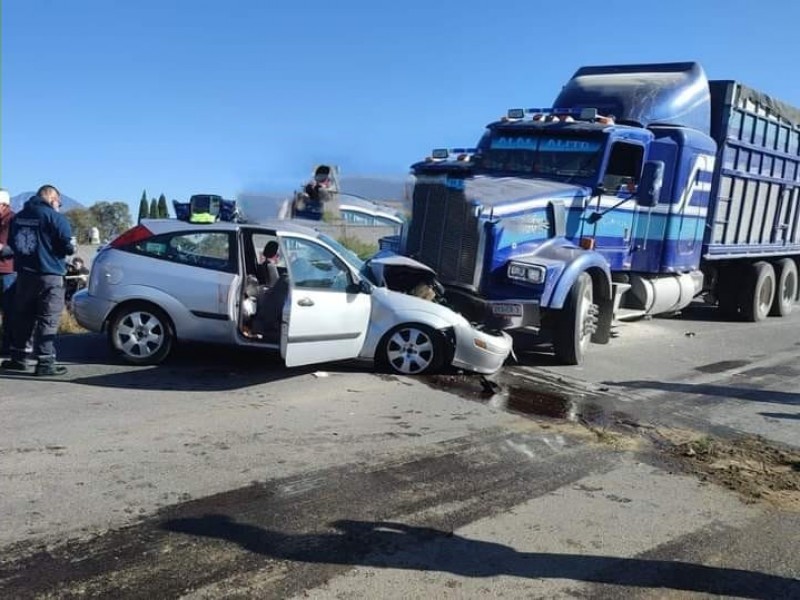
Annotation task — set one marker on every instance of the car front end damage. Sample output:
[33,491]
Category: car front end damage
[478,350]
[409,292]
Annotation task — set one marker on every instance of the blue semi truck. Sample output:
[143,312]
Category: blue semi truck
[640,189]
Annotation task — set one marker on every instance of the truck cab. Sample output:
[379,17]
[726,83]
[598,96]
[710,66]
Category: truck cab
[560,217]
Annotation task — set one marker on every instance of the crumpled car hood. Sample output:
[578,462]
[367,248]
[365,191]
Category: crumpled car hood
[380,264]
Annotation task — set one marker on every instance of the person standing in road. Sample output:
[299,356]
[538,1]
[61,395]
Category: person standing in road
[41,240]
[7,274]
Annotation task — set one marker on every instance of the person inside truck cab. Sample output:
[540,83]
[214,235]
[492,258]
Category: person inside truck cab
[624,168]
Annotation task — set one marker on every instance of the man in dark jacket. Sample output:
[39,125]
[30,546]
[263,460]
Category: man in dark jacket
[41,240]
[7,275]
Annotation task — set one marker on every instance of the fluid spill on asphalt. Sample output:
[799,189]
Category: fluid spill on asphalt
[722,366]
[521,398]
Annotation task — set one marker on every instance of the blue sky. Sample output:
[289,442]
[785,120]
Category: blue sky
[106,97]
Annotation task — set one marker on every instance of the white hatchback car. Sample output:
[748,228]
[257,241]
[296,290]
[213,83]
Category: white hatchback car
[168,280]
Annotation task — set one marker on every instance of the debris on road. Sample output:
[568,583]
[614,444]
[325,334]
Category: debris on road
[750,465]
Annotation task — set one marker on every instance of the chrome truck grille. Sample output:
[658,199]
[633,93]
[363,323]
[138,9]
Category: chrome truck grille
[444,233]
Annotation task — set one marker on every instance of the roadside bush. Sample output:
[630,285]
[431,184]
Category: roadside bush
[68,324]
[363,249]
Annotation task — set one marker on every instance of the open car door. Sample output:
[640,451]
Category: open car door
[326,316]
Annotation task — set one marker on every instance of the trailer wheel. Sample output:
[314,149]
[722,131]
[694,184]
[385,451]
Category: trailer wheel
[759,292]
[786,291]
[576,322]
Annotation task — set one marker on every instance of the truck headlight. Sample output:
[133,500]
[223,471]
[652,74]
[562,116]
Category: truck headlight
[529,273]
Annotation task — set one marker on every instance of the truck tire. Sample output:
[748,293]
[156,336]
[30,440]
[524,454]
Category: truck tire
[759,292]
[786,291]
[575,323]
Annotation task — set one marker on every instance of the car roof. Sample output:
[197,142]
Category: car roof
[279,226]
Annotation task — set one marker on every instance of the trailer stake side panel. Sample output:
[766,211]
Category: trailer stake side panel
[757,180]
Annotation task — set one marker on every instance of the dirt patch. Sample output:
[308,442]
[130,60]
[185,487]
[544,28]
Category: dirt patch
[752,466]
[749,465]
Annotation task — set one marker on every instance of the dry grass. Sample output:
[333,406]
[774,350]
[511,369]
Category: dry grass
[67,324]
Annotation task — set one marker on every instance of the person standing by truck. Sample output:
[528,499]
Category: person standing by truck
[41,239]
[7,274]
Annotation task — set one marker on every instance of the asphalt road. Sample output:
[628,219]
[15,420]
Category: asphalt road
[223,475]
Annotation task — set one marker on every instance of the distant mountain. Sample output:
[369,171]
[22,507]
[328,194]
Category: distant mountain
[67,203]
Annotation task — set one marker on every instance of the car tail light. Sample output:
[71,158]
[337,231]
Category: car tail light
[133,235]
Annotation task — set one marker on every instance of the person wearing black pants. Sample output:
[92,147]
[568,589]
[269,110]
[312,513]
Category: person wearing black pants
[7,274]
[41,240]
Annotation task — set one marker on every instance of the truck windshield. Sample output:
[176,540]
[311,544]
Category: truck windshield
[533,153]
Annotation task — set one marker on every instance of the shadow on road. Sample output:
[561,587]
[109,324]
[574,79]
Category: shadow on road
[721,391]
[771,415]
[191,368]
[400,546]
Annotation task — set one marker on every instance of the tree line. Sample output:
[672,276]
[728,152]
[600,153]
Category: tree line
[155,209]
[112,218]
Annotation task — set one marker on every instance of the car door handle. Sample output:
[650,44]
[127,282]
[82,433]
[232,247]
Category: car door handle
[305,302]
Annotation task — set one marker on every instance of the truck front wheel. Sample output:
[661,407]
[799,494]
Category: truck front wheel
[576,322]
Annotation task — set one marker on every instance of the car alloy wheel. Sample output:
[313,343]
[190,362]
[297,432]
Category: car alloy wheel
[141,334]
[412,350]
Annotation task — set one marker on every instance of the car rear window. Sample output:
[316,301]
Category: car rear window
[205,249]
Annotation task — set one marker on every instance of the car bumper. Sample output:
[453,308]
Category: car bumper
[479,351]
[90,311]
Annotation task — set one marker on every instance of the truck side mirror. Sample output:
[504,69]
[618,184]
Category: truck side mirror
[650,186]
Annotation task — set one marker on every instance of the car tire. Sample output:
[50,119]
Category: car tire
[575,323]
[786,292]
[140,333]
[759,292]
[412,349]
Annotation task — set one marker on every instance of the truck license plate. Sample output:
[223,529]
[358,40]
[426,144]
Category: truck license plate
[507,310]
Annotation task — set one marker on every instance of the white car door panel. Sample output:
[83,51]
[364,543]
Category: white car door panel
[324,319]
[325,326]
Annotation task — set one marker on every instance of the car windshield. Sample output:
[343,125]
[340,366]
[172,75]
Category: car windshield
[534,153]
[348,255]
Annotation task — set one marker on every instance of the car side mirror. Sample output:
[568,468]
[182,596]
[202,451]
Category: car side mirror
[649,192]
[362,286]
